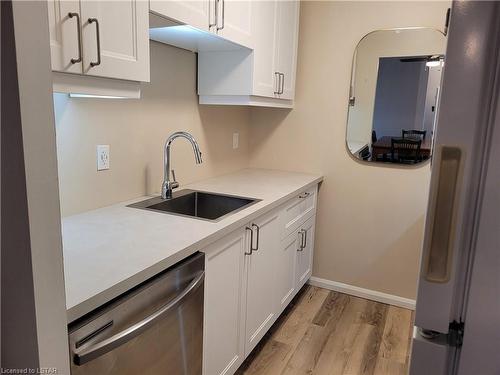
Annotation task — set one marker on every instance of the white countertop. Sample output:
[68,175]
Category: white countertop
[112,249]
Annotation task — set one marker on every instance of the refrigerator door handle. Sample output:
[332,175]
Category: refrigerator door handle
[440,250]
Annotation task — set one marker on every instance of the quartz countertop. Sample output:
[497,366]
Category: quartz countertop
[110,250]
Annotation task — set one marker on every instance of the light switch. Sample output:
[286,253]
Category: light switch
[102,157]
[236,140]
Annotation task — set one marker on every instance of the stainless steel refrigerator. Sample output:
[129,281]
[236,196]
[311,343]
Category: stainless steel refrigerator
[457,318]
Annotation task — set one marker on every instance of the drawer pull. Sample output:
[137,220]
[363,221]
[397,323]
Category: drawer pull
[303,239]
[98,42]
[258,236]
[251,241]
[305,195]
[78,28]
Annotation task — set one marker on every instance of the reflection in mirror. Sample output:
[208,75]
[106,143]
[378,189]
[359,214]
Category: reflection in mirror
[394,94]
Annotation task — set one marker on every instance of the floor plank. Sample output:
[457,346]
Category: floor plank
[329,333]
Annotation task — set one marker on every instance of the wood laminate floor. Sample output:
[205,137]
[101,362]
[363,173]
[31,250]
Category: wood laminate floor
[328,333]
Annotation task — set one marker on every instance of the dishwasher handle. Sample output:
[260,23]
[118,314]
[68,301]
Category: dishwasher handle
[83,356]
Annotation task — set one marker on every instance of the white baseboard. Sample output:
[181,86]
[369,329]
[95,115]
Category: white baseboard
[363,293]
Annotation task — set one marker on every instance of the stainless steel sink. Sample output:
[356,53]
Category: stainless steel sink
[197,204]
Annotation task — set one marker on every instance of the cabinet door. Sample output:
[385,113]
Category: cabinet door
[305,254]
[286,281]
[261,279]
[223,338]
[122,40]
[264,37]
[234,21]
[189,12]
[65,48]
[287,40]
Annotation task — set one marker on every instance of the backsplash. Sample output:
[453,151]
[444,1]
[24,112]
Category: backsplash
[136,131]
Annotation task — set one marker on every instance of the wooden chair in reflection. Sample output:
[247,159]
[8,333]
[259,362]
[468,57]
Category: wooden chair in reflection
[414,134]
[405,150]
[377,157]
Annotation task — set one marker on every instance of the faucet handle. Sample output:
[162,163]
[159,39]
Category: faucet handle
[173,175]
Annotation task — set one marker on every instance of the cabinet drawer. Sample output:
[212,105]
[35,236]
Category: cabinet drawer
[299,209]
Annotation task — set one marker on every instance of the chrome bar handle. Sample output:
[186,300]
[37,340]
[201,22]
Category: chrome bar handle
[258,236]
[223,16]
[216,11]
[98,39]
[305,238]
[251,241]
[82,356]
[277,83]
[301,247]
[282,83]
[78,31]
[305,195]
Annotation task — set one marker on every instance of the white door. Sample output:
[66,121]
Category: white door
[264,35]
[223,336]
[287,41]
[65,42]
[285,270]
[261,278]
[234,21]
[116,39]
[189,12]
[305,252]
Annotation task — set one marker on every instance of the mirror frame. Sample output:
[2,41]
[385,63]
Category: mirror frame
[351,80]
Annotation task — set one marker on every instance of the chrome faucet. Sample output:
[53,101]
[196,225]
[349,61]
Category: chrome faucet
[168,186]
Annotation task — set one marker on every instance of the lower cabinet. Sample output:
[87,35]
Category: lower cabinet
[305,252]
[261,277]
[251,276]
[224,316]
[286,270]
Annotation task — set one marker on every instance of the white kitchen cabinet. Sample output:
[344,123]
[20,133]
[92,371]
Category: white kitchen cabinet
[234,21]
[260,269]
[110,37]
[286,279]
[298,209]
[267,78]
[190,12]
[286,46]
[264,56]
[305,252]
[65,31]
[252,274]
[224,316]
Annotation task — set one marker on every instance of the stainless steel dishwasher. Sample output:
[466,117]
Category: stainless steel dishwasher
[155,329]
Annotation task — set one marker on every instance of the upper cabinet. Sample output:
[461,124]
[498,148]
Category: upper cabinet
[228,19]
[193,13]
[285,44]
[233,21]
[247,50]
[100,38]
[263,76]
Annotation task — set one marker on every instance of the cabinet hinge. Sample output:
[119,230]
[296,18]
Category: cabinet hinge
[456,334]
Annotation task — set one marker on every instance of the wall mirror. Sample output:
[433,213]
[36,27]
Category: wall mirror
[393,99]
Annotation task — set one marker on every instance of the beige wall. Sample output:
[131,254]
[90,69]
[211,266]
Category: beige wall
[136,130]
[370,219]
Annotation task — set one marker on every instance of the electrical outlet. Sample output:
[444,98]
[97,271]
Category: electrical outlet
[236,140]
[102,157]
